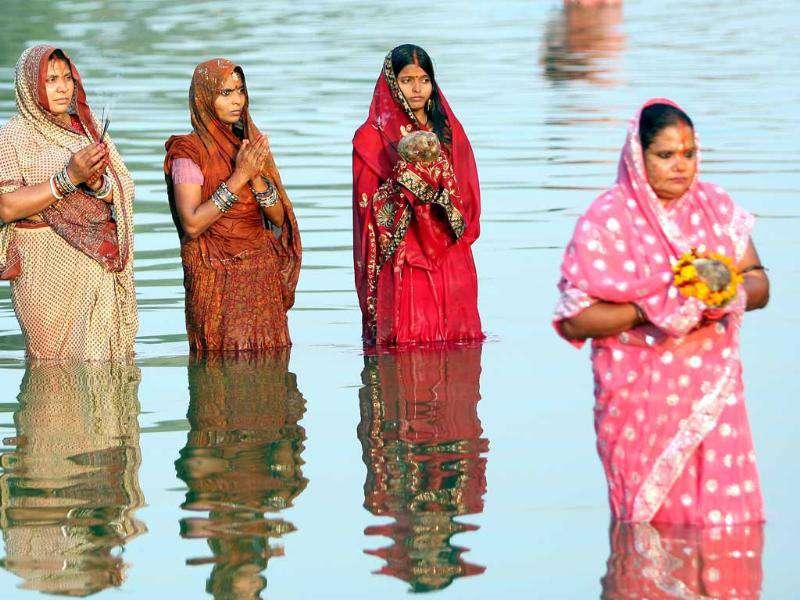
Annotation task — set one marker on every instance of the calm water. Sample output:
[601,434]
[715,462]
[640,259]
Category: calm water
[328,475]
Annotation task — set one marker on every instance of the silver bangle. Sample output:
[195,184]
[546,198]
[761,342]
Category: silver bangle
[104,191]
[53,191]
[64,182]
[223,198]
[268,197]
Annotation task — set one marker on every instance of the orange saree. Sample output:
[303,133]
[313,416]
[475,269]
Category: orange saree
[239,274]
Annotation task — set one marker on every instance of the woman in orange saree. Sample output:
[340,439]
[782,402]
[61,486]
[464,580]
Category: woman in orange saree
[240,245]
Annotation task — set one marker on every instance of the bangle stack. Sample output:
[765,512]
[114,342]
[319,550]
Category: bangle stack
[104,191]
[61,185]
[268,197]
[223,198]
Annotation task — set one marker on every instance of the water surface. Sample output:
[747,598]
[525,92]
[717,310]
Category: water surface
[330,476]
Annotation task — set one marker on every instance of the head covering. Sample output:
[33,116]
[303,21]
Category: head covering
[390,117]
[42,145]
[213,146]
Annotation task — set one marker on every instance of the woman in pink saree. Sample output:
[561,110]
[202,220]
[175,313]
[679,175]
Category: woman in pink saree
[672,429]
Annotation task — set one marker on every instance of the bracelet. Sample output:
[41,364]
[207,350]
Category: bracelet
[268,197]
[223,198]
[753,268]
[63,183]
[53,191]
[104,191]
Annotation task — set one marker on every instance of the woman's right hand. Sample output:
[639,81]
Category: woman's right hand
[87,164]
[251,157]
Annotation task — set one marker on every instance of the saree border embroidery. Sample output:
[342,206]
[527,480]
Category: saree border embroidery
[391,80]
[403,221]
[659,564]
[669,465]
[426,193]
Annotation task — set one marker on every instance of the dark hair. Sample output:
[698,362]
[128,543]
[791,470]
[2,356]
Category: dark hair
[657,117]
[409,54]
[58,54]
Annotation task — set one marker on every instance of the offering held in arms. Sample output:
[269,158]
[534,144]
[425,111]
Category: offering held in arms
[419,147]
[710,277]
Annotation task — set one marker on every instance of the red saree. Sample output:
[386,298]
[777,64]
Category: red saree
[413,229]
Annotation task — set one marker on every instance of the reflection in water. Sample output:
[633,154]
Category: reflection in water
[582,42]
[241,460]
[70,488]
[673,561]
[422,444]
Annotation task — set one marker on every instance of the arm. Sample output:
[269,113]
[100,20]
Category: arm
[29,200]
[196,213]
[602,319]
[756,282]
[274,213]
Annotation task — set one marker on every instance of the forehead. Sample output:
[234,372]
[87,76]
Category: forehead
[233,80]
[412,70]
[57,66]
[679,134]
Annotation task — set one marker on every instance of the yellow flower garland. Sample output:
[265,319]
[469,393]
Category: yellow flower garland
[689,283]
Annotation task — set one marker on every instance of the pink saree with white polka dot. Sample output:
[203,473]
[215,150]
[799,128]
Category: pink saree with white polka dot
[672,428]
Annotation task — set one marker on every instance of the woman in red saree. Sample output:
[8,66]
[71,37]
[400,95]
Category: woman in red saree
[413,225]
[672,428]
[240,245]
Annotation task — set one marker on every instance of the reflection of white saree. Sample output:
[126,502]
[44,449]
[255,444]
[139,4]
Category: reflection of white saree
[70,488]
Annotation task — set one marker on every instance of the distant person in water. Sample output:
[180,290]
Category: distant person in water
[416,211]
[659,273]
[240,245]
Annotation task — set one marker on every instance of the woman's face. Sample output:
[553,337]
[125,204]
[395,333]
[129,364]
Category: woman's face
[416,86]
[230,102]
[59,86]
[671,161]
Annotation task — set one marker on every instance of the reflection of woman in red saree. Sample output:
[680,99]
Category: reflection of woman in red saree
[425,455]
[413,224]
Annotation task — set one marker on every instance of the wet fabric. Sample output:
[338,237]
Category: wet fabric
[672,428]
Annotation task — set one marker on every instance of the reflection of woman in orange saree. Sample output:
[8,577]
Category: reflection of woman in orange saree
[70,487]
[240,245]
[241,460]
[66,218]
[413,225]
[422,444]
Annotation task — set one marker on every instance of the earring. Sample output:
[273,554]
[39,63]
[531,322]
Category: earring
[429,105]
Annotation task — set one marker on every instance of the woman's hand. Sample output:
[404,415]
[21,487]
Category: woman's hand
[88,164]
[251,157]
